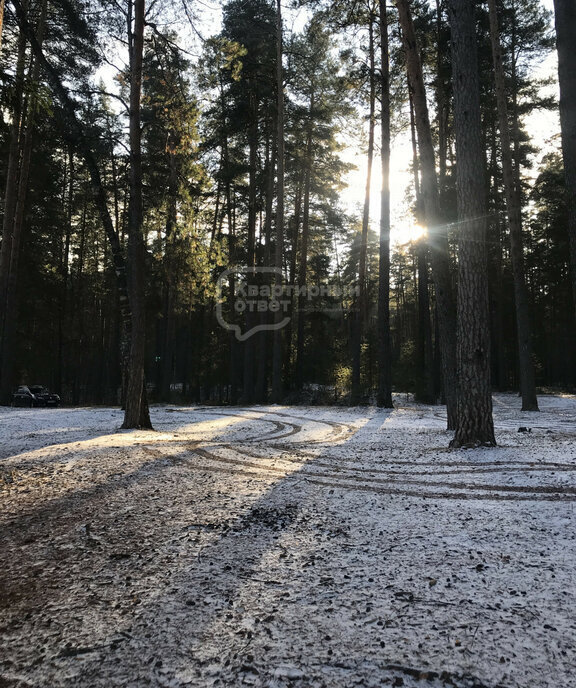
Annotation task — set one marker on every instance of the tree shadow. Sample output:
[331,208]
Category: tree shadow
[253,576]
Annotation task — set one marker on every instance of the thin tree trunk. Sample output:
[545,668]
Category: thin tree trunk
[277,392]
[565,12]
[425,364]
[261,391]
[64,272]
[249,344]
[437,233]
[234,343]
[294,228]
[474,421]
[235,351]
[441,107]
[303,265]
[1,22]
[136,414]
[425,351]
[523,325]
[358,319]
[499,289]
[384,395]
[10,201]
[168,321]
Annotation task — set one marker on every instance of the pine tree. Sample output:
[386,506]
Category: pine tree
[384,395]
[565,32]
[474,424]
[512,192]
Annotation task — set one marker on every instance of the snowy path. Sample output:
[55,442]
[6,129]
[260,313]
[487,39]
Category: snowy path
[287,546]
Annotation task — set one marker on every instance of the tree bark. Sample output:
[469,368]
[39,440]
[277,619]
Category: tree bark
[441,107]
[437,232]
[303,264]
[425,391]
[168,324]
[277,391]
[474,419]
[61,366]
[262,343]
[384,394]
[249,344]
[293,231]
[136,414]
[565,20]
[512,194]
[10,201]
[1,22]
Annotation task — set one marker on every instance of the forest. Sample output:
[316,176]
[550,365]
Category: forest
[302,275]
[175,216]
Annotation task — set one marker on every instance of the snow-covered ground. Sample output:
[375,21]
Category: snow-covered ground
[287,546]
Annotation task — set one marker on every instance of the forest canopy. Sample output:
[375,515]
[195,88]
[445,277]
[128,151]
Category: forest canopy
[215,208]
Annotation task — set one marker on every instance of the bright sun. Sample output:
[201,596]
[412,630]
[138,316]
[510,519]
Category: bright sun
[404,227]
[407,232]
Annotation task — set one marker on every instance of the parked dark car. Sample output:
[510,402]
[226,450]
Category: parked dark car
[43,396]
[34,395]
[23,397]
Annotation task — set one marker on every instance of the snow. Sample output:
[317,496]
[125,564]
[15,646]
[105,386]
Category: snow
[281,546]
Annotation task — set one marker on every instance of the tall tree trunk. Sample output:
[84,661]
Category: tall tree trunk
[425,391]
[500,365]
[384,394]
[565,13]
[261,390]
[10,201]
[277,352]
[474,421]
[437,232]
[303,264]
[64,273]
[358,319]
[512,193]
[136,414]
[1,22]
[235,351]
[515,45]
[249,344]
[441,105]
[293,230]
[425,365]
[168,320]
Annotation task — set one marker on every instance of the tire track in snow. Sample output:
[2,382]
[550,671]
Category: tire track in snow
[292,463]
[356,479]
[430,468]
[337,430]
[280,426]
